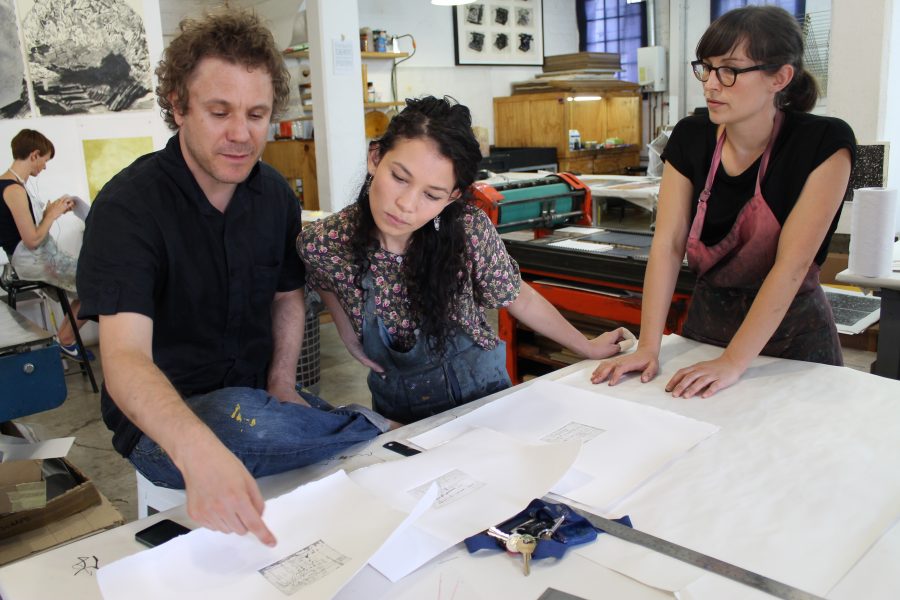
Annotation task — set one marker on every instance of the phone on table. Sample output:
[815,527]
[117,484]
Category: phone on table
[401,448]
[160,533]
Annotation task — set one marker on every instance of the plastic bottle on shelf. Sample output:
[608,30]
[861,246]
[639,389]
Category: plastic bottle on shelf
[380,40]
[574,139]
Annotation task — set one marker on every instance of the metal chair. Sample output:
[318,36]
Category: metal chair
[13,286]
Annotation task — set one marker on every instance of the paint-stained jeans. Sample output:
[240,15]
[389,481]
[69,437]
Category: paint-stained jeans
[267,435]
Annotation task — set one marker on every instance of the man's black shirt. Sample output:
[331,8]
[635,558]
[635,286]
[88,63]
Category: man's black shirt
[154,245]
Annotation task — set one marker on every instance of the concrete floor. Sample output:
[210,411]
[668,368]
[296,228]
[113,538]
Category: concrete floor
[343,381]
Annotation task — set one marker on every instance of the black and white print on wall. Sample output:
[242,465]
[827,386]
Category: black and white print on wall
[13,91]
[499,32]
[86,56]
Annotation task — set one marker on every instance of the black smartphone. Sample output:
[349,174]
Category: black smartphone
[160,533]
[401,448]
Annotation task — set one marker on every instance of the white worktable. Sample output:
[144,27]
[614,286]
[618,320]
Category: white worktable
[888,361]
[801,483]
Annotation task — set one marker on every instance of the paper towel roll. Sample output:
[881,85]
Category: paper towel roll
[872,231]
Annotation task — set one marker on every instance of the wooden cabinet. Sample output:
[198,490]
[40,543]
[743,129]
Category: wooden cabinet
[613,161]
[296,159]
[544,119]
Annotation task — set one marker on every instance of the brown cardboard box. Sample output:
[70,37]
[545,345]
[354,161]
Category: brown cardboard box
[82,496]
[21,486]
[834,264]
[97,518]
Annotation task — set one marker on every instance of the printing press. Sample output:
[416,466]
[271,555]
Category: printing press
[593,275]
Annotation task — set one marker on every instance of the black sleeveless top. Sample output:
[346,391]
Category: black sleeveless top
[9,233]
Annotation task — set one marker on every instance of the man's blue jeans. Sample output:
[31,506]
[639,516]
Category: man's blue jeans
[267,435]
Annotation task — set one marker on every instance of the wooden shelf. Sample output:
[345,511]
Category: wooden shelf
[382,55]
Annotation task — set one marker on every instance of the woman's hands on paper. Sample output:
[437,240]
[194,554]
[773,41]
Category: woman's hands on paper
[644,360]
[59,207]
[609,343]
[704,378]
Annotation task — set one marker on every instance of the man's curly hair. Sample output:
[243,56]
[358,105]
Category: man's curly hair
[236,36]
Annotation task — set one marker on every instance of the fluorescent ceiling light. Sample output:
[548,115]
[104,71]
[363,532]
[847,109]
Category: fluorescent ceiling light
[451,2]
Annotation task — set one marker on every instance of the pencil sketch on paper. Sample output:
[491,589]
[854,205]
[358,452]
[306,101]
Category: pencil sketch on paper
[452,486]
[304,567]
[573,431]
[86,56]
[13,90]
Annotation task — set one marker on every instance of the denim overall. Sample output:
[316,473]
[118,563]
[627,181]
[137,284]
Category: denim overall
[419,383]
[730,273]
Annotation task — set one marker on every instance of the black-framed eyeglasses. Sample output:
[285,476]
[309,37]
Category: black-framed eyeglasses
[726,75]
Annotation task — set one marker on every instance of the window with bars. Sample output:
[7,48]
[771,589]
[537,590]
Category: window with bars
[618,26]
[720,7]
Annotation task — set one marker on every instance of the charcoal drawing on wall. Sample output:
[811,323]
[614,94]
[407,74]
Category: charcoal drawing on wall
[86,56]
[13,91]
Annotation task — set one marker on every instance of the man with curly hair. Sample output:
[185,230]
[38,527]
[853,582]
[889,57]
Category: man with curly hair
[188,263]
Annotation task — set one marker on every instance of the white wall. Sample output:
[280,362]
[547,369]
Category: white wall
[432,69]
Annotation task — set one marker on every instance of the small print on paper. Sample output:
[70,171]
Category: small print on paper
[452,486]
[573,431]
[304,567]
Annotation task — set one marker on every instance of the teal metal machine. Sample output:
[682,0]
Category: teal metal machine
[543,203]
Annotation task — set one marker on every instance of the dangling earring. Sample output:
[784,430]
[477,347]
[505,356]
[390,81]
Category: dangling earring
[437,223]
[367,184]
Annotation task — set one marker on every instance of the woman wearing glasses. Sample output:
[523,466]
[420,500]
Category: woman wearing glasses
[751,193]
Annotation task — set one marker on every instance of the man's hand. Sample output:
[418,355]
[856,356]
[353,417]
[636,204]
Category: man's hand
[221,493]
[704,378]
[286,393]
[644,360]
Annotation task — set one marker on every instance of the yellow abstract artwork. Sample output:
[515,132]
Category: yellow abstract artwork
[104,158]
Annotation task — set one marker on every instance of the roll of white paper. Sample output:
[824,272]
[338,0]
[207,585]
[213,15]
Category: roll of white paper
[872,231]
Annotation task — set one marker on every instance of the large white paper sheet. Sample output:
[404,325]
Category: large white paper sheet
[327,530]
[799,483]
[484,476]
[624,443]
[486,575]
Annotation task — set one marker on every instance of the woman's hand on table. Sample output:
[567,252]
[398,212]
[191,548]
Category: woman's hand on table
[705,378]
[644,360]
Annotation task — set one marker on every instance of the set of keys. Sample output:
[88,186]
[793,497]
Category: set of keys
[517,543]
[523,538]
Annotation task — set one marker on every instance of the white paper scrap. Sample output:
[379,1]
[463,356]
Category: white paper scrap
[625,443]
[12,448]
[484,476]
[327,530]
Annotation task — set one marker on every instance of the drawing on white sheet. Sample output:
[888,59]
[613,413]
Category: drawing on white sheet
[452,486]
[304,567]
[573,431]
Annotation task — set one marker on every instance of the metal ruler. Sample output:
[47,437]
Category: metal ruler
[692,557]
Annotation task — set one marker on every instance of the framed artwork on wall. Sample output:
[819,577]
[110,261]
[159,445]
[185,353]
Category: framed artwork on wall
[499,32]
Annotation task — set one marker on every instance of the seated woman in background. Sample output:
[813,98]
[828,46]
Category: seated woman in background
[752,192]
[409,269]
[32,251]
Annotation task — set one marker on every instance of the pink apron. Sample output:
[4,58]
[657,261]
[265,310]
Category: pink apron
[730,273]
